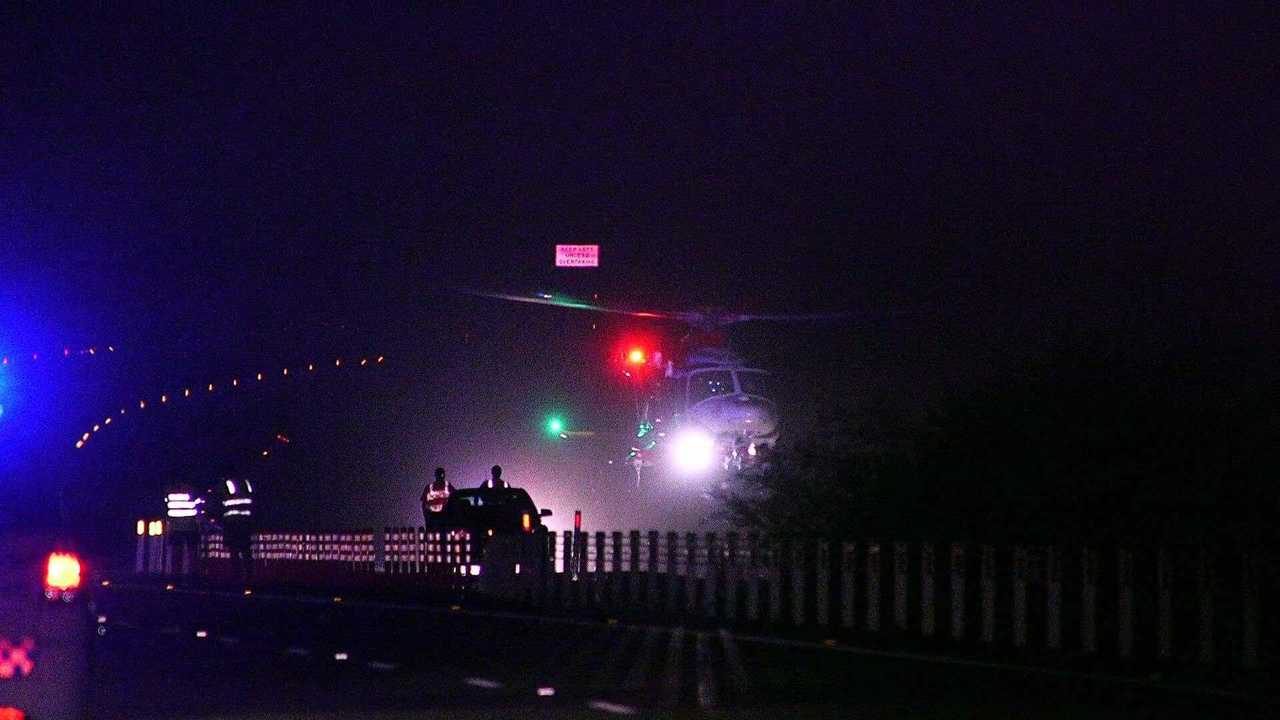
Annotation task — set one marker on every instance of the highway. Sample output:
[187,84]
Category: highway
[190,652]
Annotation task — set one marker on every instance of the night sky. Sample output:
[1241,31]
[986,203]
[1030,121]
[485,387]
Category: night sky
[219,195]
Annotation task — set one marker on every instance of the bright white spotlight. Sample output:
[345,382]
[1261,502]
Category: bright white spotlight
[693,451]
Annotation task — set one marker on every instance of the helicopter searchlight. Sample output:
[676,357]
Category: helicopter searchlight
[694,451]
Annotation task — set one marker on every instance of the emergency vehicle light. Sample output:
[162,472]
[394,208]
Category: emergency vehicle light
[62,572]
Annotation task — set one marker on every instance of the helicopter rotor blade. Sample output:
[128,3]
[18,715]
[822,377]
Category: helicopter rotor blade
[793,317]
[572,303]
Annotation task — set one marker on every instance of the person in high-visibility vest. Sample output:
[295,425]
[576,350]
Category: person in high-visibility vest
[435,496]
[183,510]
[236,516]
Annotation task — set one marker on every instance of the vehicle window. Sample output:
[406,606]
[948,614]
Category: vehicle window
[709,383]
[753,383]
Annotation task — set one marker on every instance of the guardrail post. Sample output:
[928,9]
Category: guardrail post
[1249,599]
[928,569]
[733,573]
[799,566]
[568,587]
[873,587]
[1088,602]
[776,554]
[713,575]
[1164,605]
[822,584]
[1205,578]
[691,574]
[900,564]
[633,571]
[1019,596]
[988,586]
[1124,602]
[616,571]
[753,576]
[848,583]
[1053,599]
[651,573]
[673,577]
[140,549]
[958,577]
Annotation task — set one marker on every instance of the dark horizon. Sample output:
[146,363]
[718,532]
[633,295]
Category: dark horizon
[218,194]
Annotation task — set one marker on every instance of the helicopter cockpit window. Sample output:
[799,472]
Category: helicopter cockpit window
[710,383]
[753,383]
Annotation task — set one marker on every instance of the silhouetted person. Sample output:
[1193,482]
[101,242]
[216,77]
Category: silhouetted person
[496,481]
[435,495]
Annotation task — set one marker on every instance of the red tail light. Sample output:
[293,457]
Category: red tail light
[63,572]
[12,713]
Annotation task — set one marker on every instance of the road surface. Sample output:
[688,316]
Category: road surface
[222,654]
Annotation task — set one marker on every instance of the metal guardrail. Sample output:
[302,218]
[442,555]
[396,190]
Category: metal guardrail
[1171,605]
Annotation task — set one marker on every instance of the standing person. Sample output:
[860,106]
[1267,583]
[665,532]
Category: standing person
[496,481]
[236,518]
[435,495]
[183,508]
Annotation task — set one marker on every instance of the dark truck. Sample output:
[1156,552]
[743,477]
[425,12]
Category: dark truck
[502,529]
[46,629]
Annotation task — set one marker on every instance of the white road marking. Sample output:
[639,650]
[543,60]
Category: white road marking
[671,670]
[483,683]
[917,657]
[639,671]
[702,666]
[378,665]
[737,671]
[609,707]
[299,651]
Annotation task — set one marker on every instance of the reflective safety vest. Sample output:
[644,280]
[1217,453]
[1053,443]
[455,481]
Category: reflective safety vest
[437,495]
[237,504]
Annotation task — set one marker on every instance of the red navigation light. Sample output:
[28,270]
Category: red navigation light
[62,572]
[577,520]
[636,356]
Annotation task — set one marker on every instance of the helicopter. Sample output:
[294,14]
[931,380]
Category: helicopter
[703,410]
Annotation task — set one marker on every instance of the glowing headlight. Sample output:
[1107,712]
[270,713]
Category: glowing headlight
[694,451]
